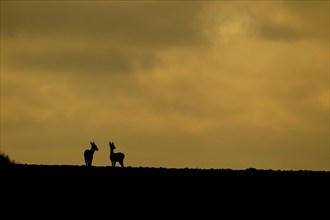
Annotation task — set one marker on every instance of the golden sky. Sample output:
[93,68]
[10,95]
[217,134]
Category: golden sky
[177,84]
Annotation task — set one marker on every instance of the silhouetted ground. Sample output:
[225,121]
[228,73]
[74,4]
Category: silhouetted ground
[142,191]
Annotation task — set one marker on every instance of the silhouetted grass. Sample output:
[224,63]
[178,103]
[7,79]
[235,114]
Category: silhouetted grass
[129,177]
[5,159]
[81,190]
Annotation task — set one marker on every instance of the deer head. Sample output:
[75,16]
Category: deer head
[94,147]
[112,145]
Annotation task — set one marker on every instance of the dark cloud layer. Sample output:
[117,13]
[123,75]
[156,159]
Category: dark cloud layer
[150,23]
[77,61]
[131,34]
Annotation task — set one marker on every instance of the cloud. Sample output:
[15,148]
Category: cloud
[291,21]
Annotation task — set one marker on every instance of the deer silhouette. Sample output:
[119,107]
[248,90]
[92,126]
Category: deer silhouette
[88,154]
[116,157]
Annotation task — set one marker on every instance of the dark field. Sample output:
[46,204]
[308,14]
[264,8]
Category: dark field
[141,191]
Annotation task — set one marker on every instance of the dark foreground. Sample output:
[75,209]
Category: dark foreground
[145,192]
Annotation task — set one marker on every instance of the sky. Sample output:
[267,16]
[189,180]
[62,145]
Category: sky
[174,84]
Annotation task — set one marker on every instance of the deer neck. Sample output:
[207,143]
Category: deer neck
[112,153]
